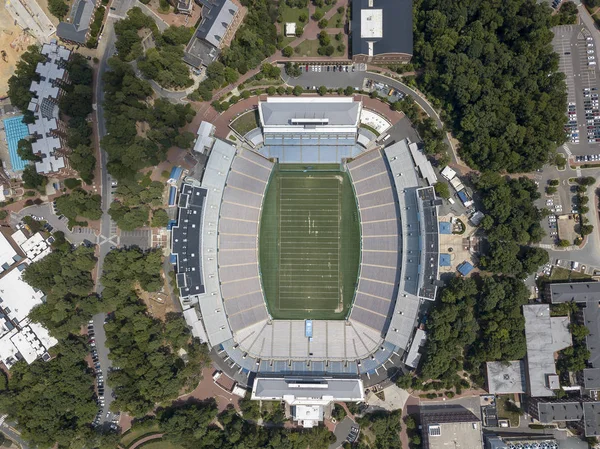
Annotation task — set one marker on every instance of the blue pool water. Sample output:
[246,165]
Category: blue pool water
[15,131]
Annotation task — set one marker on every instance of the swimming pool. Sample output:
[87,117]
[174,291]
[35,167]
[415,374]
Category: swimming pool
[15,131]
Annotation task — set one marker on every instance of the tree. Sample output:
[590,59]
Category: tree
[58,8]
[349,90]
[339,36]
[551,190]
[322,90]
[442,190]
[160,219]
[20,82]
[586,229]
[287,51]
[79,203]
[475,68]
[564,243]
[323,23]
[318,15]
[324,38]
[32,179]
[25,151]
[303,17]
[298,91]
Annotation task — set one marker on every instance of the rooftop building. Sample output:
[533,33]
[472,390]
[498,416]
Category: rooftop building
[450,427]
[587,295]
[584,415]
[76,30]
[34,247]
[310,129]
[30,16]
[8,255]
[382,31]
[220,19]
[545,336]
[44,106]
[506,377]
[493,441]
[308,396]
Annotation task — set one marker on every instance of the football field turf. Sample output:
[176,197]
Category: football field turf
[309,244]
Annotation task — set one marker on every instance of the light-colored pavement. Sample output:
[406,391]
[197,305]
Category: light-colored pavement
[12,433]
[394,398]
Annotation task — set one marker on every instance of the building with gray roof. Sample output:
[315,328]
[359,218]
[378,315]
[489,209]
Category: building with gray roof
[583,415]
[450,426]
[381,31]
[506,377]
[44,106]
[587,295]
[215,30]
[77,28]
[545,335]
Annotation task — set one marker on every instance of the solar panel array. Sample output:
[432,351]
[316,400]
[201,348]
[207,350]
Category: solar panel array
[381,244]
[238,240]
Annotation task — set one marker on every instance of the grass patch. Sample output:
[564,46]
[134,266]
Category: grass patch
[507,410]
[291,15]
[287,41]
[370,128]
[325,8]
[562,274]
[309,248]
[333,22]
[310,47]
[246,122]
[160,444]
[135,434]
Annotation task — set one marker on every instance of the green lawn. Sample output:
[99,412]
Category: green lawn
[246,122]
[291,15]
[325,8]
[160,444]
[130,436]
[562,274]
[310,47]
[507,410]
[309,245]
[337,16]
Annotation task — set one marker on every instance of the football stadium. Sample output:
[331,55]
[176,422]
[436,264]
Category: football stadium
[303,261]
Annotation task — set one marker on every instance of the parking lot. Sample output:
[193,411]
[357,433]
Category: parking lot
[140,238]
[578,61]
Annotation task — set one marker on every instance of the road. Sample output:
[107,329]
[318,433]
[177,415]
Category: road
[9,430]
[356,79]
[108,237]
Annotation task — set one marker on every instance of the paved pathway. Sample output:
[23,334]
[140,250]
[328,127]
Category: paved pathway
[156,436]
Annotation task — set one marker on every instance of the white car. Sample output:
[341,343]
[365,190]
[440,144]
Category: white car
[592,63]
[590,52]
[591,57]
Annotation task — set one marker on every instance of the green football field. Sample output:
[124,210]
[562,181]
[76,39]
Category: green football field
[309,243]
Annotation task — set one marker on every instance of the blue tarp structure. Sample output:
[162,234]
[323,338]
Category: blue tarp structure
[308,328]
[465,268]
[445,260]
[463,196]
[172,195]
[445,227]
[171,224]
[176,173]
[173,259]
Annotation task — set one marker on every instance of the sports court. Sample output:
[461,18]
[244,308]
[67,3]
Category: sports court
[309,243]
[15,130]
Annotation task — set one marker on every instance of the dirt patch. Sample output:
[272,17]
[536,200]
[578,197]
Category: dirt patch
[142,128]
[158,304]
[14,41]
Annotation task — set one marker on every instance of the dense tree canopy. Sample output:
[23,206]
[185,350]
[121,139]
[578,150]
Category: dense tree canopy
[194,426]
[79,203]
[52,401]
[145,349]
[475,321]
[134,201]
[492,68]
[512,221]
[138,133]
[65,277]
[24,74]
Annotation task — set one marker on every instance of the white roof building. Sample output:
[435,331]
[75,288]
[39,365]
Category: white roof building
[8,255]
[34,247]
[448,173]
[44,105]
[290,28]
[205,138]
[17,298]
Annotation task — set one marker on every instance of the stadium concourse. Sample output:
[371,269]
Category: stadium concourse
[215,246]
